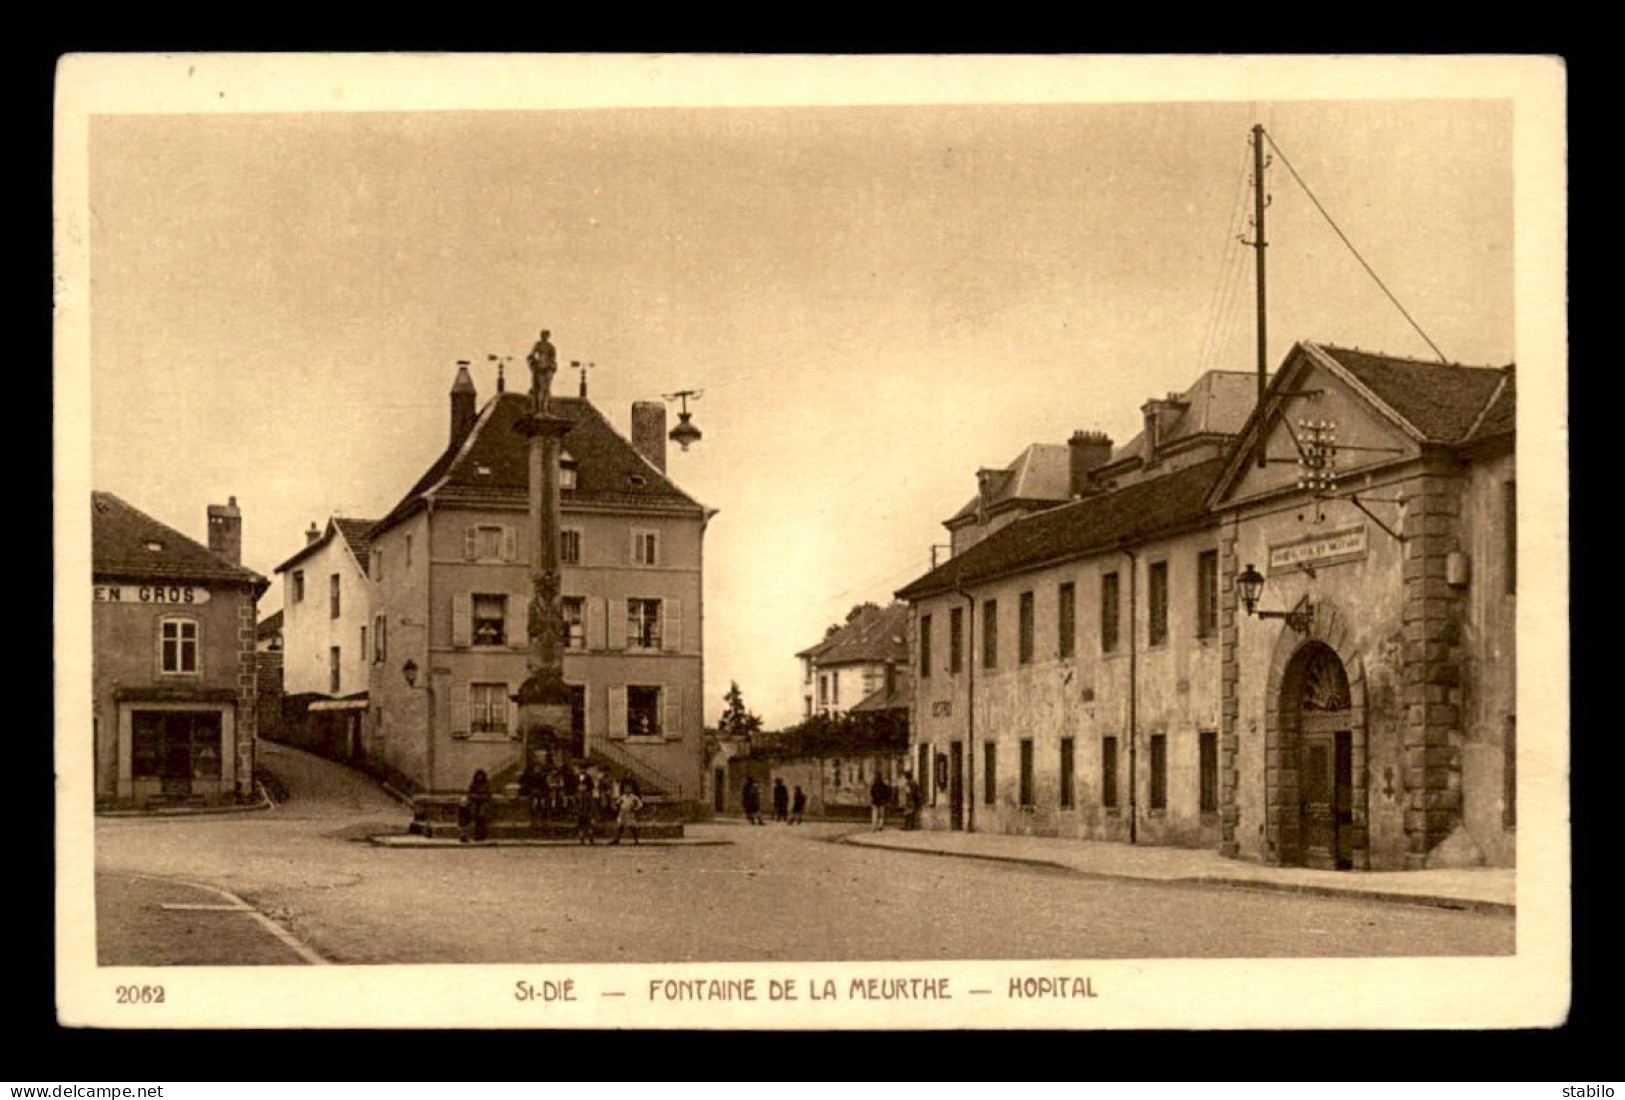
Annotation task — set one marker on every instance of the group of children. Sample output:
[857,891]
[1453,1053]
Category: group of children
[553,790]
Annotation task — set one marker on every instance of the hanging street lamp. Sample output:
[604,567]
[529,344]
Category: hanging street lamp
[685,433]
[1250,585]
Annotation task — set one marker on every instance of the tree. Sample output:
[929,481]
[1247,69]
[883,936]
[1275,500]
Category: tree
[736,720]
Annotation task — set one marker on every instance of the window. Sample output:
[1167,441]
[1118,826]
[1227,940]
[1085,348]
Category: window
[643,624]
[643,711]
[570,547]
[956,640]
[298,586]
[1159,771]
[488,709]
[1509,772]
[823,690]
[333,596]
[1108,772]
[575,622]
[363,649]
[836,768]
[1207,770]
[380,651]
[1067,620]
[645,548]
[990,772]
[177,643]
[990,634]
[1207,593]
[333,670]
[835,687]
[1108,613]
[490,619]
[1024,623]
[567,472]
[488,542]
[1509,523]
[925,646]
[1026,771]
[1157,601]
[1068,763]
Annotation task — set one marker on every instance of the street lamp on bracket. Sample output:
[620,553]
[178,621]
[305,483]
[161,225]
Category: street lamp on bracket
[1250,585]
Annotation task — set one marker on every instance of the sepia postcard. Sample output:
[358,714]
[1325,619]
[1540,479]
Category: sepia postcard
[811,542]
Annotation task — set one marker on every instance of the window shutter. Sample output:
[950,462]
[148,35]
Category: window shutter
[513,713]
[461,717]
[672,699]
[462,618]
[510,544]
[632,547]
[594,610]
[617,714]
[471,542]
[654,548]
[616,626]
[672,628]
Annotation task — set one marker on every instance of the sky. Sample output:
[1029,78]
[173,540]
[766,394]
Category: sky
[875,300]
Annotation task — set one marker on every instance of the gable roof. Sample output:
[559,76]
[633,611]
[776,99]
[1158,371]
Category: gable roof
[1042,472]
[875,635]
[356,532]
[900,697]
[122,538]
[1134,513]
[1440,401]
[270,626]
[492,462]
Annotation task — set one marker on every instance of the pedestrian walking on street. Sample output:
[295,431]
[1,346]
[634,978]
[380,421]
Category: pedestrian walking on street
[781,801]
[478,804]
[911,801]
[626,812]
[585,811]
[752,800]
[879,795]
[798,806]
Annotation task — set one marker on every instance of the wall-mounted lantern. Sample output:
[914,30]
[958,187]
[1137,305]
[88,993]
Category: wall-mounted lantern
[410,671]
[1250,584]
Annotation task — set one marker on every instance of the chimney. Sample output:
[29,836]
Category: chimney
[1089,450]
[312,533]
[1160,414]
[463,414]
[226,531]
[649,431]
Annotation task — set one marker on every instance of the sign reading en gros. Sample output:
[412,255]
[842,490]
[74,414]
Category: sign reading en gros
[182,594]
[1319,550]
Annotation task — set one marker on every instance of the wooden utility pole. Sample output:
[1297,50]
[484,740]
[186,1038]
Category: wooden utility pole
[1259,245]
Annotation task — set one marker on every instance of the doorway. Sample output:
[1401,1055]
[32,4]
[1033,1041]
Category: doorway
[1320,717]
[956,785]
[176,747]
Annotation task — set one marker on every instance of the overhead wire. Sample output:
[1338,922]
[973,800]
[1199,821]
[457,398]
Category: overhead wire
[1224,274]
[1350,245]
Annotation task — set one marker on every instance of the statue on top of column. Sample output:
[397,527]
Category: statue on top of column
[544,363]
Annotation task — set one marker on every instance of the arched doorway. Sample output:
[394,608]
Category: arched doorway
[1323,750]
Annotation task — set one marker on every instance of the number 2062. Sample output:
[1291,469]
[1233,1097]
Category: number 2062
[139,994]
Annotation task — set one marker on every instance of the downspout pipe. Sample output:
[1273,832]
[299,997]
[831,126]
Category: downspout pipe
[1133,695]
[968,651]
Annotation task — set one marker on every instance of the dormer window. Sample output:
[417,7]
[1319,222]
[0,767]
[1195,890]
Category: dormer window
[638,480]
[155,546]
[483,471]
[567,472]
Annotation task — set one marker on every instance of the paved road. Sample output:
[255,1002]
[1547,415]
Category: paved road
[774,893]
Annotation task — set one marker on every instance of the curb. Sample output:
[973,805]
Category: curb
[409,841]
[1436,901]
[193,811]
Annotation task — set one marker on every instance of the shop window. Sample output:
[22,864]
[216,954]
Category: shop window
[643,711]
[1026,789]
[1108,613]
[1066,620]
[178,646]
[990,634]
[956,640]
[1108,772]
[490,615]
[1024,631]
[990,772]
[1159,771]
[575,622]
[1207,593]
[643,624]
[925,646]
[1068,765]
[488,709]
[1157,603]
[1207,769]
